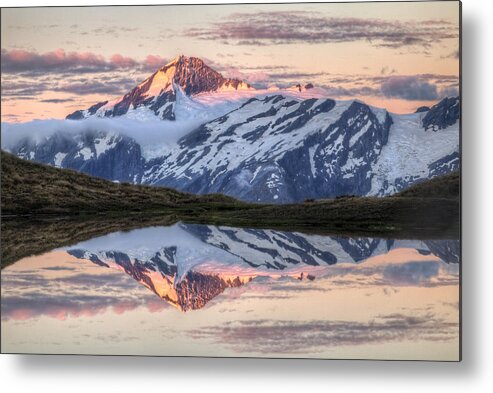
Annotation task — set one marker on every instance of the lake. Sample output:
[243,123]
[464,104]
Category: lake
[201,290]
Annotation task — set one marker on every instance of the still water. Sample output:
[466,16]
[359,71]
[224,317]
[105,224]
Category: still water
[199,290]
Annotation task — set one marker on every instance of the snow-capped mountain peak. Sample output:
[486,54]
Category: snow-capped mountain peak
[157,93]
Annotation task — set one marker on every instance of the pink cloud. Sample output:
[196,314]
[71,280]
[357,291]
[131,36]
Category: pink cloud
[122,62]
[154,62]
[252,77]
[62,310]
[19,60]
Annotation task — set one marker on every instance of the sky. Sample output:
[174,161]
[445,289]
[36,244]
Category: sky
[399,55]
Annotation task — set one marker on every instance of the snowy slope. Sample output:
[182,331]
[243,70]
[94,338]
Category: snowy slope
[280,149]
[410,152]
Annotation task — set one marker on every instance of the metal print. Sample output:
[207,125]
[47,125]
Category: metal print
[243,180]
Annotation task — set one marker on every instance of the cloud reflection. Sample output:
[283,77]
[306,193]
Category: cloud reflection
[269,336]
[31,295]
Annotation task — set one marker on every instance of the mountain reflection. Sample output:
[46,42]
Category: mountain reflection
[188,265]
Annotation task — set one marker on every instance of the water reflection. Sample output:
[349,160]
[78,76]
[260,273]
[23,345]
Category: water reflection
[187,265]
[238,292]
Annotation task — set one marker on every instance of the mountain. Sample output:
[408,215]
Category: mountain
[102,154]
[158,93]
[188,265]
[268,146]
[276,149]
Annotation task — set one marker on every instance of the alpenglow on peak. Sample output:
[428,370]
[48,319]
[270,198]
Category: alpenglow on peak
[158,92]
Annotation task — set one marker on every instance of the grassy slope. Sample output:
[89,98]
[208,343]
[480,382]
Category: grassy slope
[82,207]
[446,186]
[29,187]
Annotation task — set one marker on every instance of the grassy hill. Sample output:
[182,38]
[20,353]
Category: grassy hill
[446,186]
[29,187]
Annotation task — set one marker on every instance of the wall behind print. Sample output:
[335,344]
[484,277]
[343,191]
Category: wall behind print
[84,374]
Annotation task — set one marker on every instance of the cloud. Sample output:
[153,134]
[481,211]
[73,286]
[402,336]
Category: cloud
[263,336]
[59,268]
[296,75]
[290,27]
[120,61]
[411,273]
[251,77]
[153,135]
[449,91]
[118,86]
[439,78]
[154,62]
[57,100]
[453,55]
[62,307]
[114,84]
[29,74]
[354,92]
[113,30]
[409,88]
[363,79]
[22,88]
[31,295]
[421,273]
[17,61]
[294,287]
